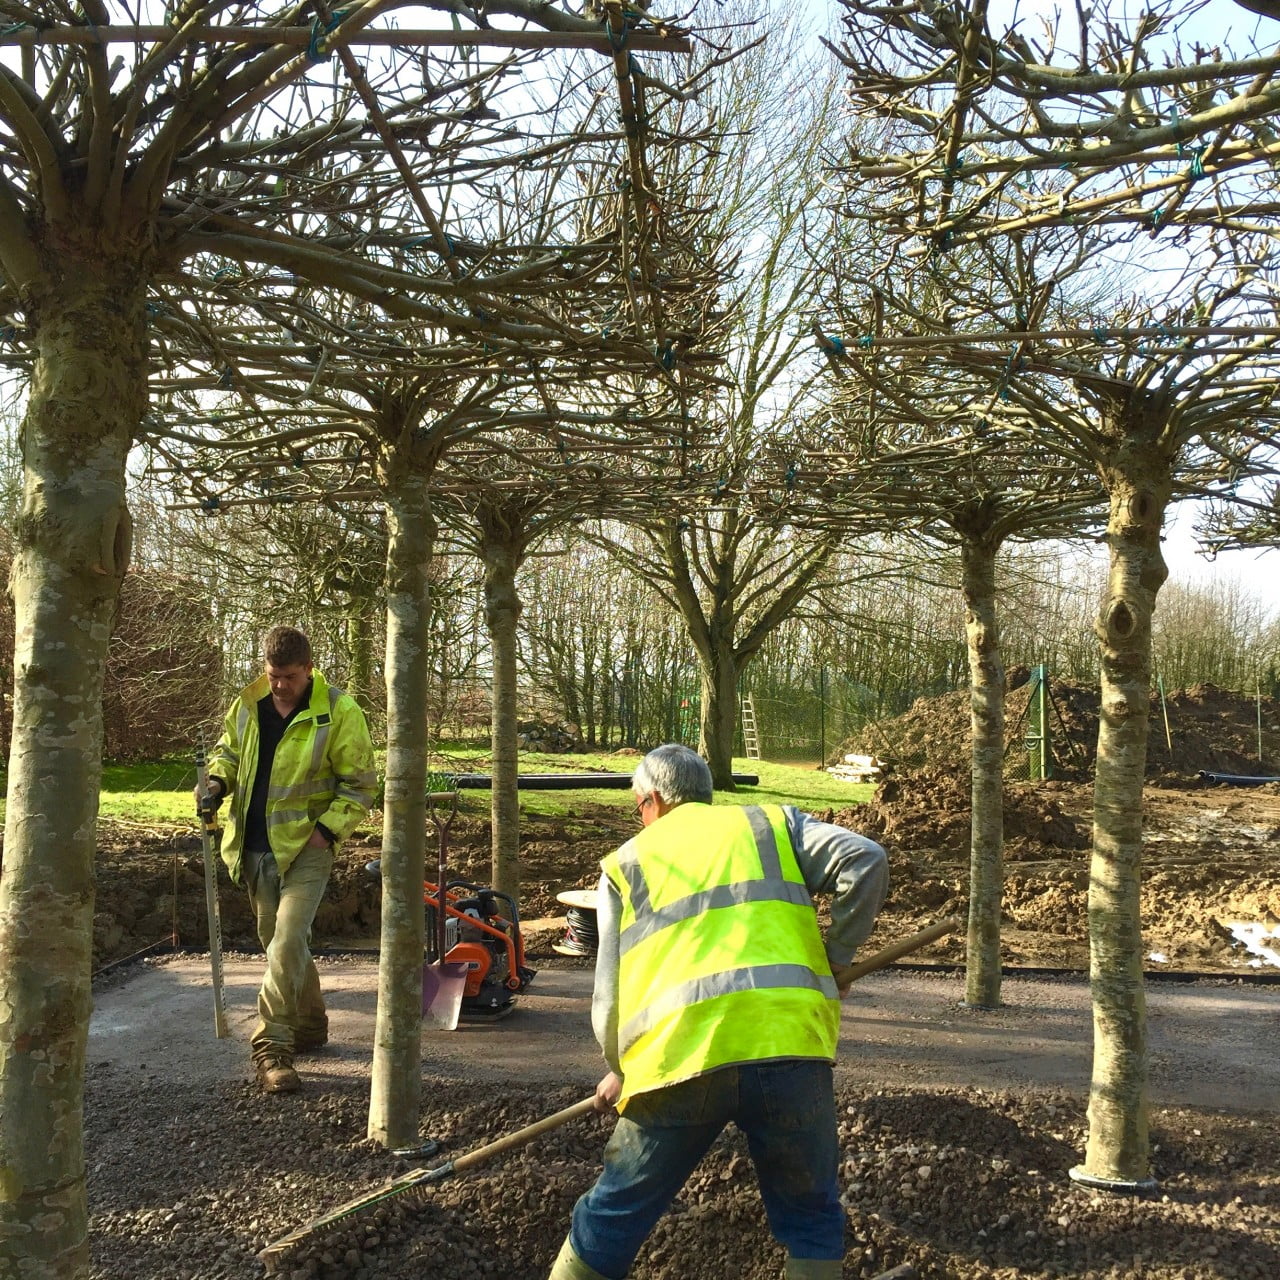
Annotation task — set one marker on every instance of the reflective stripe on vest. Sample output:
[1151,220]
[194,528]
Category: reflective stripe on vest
[720,957]
[323,724]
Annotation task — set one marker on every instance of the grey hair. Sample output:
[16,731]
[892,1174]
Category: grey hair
[677,773]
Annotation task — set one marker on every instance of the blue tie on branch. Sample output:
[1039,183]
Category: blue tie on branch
[319,30]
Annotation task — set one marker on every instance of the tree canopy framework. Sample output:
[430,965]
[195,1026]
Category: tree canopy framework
[510,447]
[937,469]
[1128,132]
[1083,119]
[583,347]
[139,178]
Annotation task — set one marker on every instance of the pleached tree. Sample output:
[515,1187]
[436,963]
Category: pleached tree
[146,167]
[332,402]
[913,445]
[1137,132]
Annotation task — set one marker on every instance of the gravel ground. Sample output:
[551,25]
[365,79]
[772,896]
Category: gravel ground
[958,1183]
[192,1170]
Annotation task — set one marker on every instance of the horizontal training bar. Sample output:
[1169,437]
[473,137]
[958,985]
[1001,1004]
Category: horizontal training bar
[302,37]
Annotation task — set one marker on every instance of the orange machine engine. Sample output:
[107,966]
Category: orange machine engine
[482,932]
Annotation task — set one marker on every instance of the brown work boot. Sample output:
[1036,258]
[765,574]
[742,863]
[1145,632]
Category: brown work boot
[276,1074]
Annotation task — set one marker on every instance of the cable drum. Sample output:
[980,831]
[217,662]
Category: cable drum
[582,931]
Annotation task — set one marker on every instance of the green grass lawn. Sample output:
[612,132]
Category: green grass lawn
[160,792]
[779,783]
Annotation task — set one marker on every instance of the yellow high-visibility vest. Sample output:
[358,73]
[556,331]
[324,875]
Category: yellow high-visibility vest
[720,956]
[322,771]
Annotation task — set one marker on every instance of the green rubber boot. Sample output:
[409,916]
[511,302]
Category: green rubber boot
[568,1266]
[814,1269]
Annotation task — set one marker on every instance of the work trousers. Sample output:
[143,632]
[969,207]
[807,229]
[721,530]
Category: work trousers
[289,1001]
[786,1109]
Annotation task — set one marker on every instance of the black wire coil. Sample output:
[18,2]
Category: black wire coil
[581,934]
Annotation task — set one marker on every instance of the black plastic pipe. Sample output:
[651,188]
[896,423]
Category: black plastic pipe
[1235,779]
[569,781]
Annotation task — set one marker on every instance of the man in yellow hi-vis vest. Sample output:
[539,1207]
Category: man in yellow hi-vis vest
[296,759]
[715,1001]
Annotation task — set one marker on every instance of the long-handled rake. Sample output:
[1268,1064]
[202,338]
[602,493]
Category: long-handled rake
[271,1254]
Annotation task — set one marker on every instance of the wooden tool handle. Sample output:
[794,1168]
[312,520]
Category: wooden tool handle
[896,950]
[521,1136]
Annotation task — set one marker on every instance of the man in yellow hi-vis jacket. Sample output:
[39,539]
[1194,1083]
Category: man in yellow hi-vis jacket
[296,760]
[715,1001]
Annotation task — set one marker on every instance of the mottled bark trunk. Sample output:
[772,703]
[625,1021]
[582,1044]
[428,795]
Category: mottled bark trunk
[719,717]
[397,1058]
[88,389]
[502,612]
[986,716]
[360,658]
[1118,1148]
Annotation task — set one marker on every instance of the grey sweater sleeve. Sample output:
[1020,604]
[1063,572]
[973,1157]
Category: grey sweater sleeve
[853,870]
[604,999]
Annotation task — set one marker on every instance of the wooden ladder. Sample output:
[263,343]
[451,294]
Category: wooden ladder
[750,735]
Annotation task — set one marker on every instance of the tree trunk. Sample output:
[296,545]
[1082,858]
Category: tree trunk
[397,1058]
[502,612]
[360,659]
[1118,1150]
[986,715]
[719,716]
[87,394]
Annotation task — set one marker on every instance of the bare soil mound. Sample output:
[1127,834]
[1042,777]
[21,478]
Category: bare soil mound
[150,881]
[929,809]
[1210,859]
[1211,852]
[1208,729]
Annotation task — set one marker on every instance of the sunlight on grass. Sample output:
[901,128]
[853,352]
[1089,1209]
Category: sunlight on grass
[810,789]
[160,791]
[807,788]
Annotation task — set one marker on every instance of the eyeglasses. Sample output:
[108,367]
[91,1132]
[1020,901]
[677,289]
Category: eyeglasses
[640,804]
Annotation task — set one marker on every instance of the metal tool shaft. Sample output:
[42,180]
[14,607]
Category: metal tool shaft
[208,829]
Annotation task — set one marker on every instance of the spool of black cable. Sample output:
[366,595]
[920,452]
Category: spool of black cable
[582,930]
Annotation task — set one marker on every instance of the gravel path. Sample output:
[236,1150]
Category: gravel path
[958,1129]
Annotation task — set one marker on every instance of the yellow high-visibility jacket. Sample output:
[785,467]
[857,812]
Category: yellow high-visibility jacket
[720,959]
[322,771]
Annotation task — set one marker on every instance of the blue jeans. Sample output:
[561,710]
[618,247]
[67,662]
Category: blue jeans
[787,1111]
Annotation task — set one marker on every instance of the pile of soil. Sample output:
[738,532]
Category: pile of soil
[1209,859]
[150,880]
[929,810]
[1209,856]
[1209,852]
[962,1185]
[1208,729]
